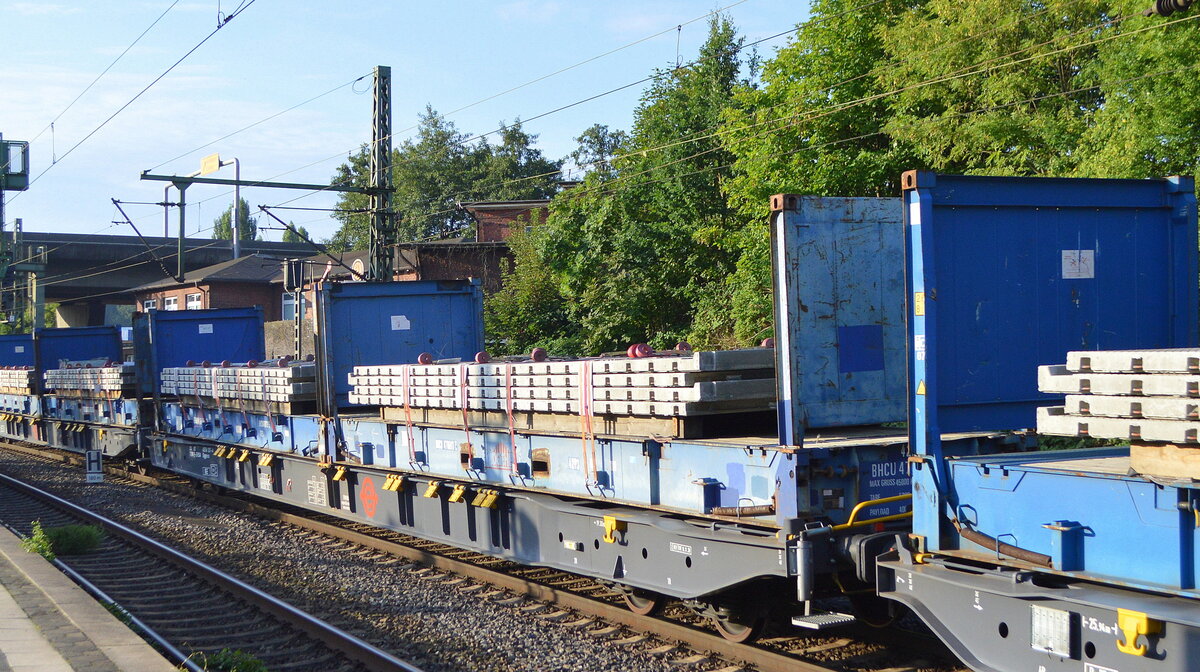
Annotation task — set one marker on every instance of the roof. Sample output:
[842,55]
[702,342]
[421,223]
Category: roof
[252,268]
[506,205]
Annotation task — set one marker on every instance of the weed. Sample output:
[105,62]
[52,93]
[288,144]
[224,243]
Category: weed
[38,542]
[227,660]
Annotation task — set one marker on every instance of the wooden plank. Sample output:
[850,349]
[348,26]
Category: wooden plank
[1165,459]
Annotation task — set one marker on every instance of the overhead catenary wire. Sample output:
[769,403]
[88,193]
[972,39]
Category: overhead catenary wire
[794,120]
[241,8]
[87,88]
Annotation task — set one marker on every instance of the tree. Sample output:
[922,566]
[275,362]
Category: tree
[436,171]
[514,170]
[247,225]
[805,131]
[637,248]
[962,104]
[299,235]
[529,310]
[597,146]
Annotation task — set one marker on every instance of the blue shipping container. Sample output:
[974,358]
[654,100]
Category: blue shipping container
[1006,274]
[16,350]
[174,337]
[53,346]
[1011,273]
[373,323]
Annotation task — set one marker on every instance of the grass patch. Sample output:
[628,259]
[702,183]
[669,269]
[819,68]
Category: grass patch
[229,660]
[74,539]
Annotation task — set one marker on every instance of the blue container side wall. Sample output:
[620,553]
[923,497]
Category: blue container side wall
[175,337]
[394,322]
[839,297]
[76,343]
[16,350]
[1021,271]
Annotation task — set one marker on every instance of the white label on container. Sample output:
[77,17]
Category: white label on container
[206,329]
[919,346]
[400,323]
[1078,264]
[18,348]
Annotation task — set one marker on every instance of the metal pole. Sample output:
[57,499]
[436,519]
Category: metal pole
[237,208]
[38,299]
[166,212]
[383,222]
[182,218]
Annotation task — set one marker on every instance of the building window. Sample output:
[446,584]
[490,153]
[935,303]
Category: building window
[171,303]
[149,304]
[193,302]
[288,307]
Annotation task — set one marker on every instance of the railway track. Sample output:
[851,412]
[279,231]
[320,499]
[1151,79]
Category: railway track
[581,602]
[188,605]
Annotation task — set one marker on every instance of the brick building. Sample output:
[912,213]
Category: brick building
[496,220]
[249,281]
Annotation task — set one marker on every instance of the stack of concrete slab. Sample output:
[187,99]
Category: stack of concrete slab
[293,382]
[113,380]
[1150,398]
[699,383]
[16,380]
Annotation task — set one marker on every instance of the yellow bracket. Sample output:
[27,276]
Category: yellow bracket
[479,497]
[491,499]
[266,459]
[165,443]
[1133,624]
[432,489]
[339,473]
[399,482]
[244,456]
[100,432]
[219,452]
[459,493]
[611,527]
[393,482]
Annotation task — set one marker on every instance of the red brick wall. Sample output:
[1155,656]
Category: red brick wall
[447,262]
[223,295]
[497,225]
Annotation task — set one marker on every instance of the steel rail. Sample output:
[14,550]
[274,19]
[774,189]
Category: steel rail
[354,648]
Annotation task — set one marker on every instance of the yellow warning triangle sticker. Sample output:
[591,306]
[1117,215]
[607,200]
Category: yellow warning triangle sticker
[921,387]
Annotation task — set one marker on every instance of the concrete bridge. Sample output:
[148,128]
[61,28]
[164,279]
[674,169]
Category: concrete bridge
[86,274]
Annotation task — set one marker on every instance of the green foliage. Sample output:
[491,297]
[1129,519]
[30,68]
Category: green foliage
[529,311]
[300,234]
[38,542]
[436,171]
[74,539]
[247,225]
[230,660]
[647,237]
[22,322]
[597,145]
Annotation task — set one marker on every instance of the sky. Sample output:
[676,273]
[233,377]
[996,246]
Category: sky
[276,54]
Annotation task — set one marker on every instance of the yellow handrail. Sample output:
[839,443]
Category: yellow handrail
[854,522]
